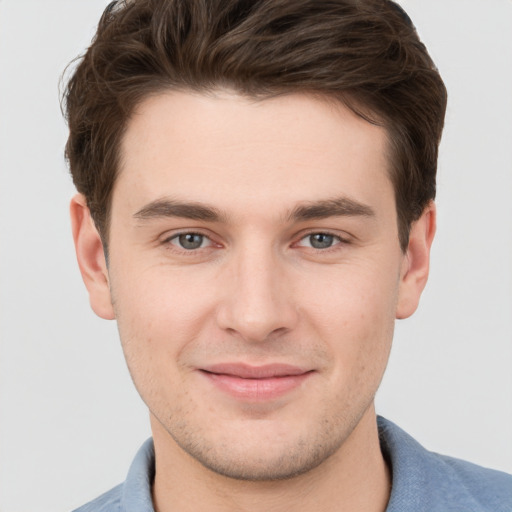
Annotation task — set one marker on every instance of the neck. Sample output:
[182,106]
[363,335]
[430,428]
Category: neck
[355,477]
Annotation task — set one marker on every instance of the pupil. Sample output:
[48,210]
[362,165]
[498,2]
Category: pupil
[321,241]
[191,241]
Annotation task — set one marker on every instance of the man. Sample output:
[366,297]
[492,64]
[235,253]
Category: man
[255,208]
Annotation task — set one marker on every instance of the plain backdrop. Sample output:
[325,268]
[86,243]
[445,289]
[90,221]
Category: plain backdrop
[70,419]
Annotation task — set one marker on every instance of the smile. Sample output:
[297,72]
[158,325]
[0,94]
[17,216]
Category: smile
[255,383]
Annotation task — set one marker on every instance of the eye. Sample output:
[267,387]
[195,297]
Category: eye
[320,240]
[190,241]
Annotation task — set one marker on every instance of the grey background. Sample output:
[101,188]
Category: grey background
[70,420]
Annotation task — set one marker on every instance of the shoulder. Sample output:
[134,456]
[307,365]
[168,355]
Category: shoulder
[107,502]
[135,493]
[491,489]
[426,481]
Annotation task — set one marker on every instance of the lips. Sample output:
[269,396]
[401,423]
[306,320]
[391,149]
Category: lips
[255,383]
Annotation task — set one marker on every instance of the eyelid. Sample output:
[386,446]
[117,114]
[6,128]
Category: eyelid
[341,242]
[173,233]
[204,239]
[167,238]
[342,237]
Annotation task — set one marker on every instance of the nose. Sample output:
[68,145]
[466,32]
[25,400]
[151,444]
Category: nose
[258,302]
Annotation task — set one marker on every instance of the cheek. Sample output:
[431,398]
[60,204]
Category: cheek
[159,311]
[158,319]
[354,315]
[353,297]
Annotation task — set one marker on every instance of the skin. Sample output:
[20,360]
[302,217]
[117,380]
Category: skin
[257,288]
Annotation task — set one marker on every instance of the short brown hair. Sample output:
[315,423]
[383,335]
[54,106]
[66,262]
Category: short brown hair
[364,53]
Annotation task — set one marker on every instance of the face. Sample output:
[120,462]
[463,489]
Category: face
[255,274]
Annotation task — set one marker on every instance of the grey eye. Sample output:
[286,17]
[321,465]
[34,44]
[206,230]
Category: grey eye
[321,240]
[190,241]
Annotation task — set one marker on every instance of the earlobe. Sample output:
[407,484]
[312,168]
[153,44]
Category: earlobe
[91,258]
[415,266]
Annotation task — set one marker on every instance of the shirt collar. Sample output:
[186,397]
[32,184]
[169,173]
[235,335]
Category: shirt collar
[421,480]
[136,495]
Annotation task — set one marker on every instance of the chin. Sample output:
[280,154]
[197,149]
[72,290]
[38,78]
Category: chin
[264,467]
[259,452]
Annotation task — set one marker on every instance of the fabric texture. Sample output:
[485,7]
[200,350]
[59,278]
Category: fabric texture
[422,481]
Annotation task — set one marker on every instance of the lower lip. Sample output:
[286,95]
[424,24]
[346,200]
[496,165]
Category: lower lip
[256,389]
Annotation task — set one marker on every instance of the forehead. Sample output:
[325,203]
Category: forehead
[225,148]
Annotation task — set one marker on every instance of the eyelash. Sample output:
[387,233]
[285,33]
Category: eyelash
[177,236]
[337,241]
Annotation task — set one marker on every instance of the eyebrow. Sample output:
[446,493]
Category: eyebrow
[162,208]
[337,207]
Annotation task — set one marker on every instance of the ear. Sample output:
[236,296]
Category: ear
[91,258]
[415,265]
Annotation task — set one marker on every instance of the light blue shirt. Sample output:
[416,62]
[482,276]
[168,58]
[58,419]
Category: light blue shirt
[422,481]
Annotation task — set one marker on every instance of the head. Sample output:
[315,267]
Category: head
[263,175]
[365,55]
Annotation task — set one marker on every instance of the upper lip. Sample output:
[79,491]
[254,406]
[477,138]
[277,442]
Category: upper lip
[246,371]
